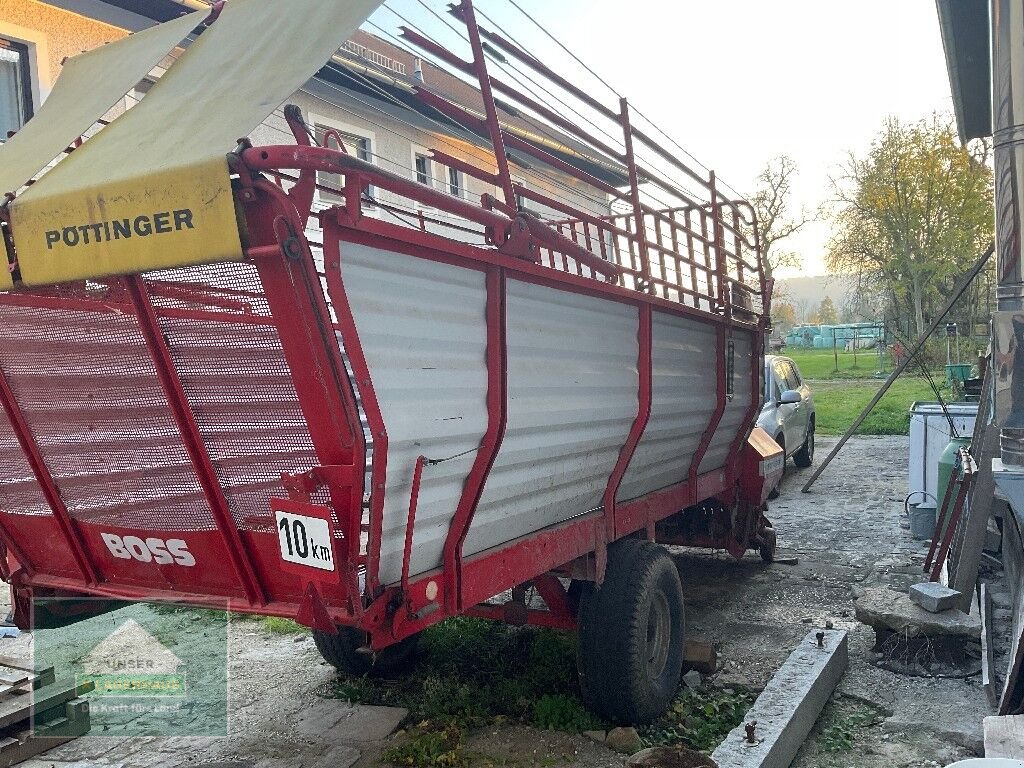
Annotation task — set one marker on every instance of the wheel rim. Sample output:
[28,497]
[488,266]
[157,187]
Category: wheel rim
[659,635]
[810,445]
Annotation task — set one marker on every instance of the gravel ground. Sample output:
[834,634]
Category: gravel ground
[848,533]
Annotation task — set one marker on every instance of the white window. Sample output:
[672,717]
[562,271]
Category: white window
[358,146]
[422,165]
[456,183]
[15,87]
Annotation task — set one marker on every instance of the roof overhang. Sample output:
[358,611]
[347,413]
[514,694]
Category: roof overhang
[966,39]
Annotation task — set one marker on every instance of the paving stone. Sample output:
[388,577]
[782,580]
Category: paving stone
[336,721]
[625,740]
[933,597]
[885,609]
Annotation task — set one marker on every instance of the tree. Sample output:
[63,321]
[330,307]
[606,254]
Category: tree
[783,316]
[776,222]
[827,312]
[912,215]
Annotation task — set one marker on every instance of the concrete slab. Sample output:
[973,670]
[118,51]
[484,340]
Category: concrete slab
[1004,737]
[335,721]
[789,705]
[933,597]
[889,611]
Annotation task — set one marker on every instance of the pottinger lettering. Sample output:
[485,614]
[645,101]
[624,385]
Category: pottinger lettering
[121,229]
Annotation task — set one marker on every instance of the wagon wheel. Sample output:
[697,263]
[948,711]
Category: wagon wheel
[346,652]
[631,634]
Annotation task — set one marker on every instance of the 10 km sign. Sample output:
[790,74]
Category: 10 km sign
[305,540]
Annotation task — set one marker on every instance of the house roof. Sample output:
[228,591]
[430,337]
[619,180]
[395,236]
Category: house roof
[966,40]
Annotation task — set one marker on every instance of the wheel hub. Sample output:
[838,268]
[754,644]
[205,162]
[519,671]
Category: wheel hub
[659,635]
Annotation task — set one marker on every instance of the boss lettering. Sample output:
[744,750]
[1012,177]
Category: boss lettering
[159,223]
[152,550]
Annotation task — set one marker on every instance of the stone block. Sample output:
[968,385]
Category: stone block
[789,705]
[933,597]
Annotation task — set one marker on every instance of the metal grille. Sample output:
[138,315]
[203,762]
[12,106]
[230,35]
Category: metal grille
[19,490]
[86,385]
[232,368]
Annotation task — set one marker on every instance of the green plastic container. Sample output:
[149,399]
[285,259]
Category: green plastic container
[960,372]
[947,463]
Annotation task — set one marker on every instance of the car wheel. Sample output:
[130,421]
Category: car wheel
[805,456]
[774,492]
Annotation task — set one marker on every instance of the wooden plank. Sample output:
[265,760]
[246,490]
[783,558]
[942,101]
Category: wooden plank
[970,536]
[1004,737]
[11,679]
[700,656]
[45,698]
[988,654]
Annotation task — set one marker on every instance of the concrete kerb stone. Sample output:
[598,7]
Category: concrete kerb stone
[933,597]
[790,704]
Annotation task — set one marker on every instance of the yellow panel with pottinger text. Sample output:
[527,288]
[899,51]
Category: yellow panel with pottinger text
[178,217]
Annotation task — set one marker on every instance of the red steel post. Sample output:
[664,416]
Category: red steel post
[497,415]
[192,438]
[493,126]
[46,482]
[643,415]
[634,193]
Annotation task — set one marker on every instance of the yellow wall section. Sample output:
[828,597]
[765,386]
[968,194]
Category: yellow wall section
[66,33]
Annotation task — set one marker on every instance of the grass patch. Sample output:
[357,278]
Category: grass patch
[700,719]
[821,364]
[838,404]
[840,396]
[473,673]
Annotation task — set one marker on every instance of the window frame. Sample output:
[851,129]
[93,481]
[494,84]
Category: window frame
[24,52]
[347,131]
[458,188]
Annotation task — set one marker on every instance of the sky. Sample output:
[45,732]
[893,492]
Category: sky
[736,82]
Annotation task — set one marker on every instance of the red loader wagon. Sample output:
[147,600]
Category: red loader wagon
[403,423]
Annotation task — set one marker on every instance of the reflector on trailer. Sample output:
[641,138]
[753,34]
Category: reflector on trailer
[153,189]
[88,86]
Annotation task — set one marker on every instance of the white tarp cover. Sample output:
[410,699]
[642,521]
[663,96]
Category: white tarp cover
[88,86]
[152,190]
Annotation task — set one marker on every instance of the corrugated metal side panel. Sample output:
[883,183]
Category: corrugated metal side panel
[735,409]
[423,329]
[683,399]
[572,399]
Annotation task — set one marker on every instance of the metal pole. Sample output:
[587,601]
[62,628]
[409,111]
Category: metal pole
[958,291]
[493,126]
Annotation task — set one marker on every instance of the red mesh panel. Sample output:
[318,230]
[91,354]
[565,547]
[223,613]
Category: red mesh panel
[19,490]
[231,365]
[87,387]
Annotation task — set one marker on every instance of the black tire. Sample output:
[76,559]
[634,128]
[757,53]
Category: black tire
[767,548]
[805,456]
[632,631]
[342,651]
